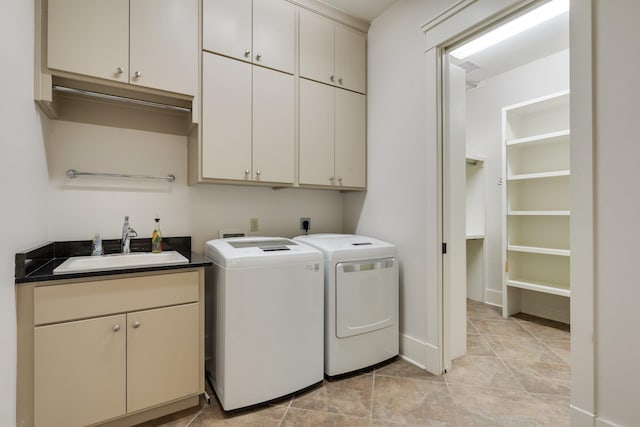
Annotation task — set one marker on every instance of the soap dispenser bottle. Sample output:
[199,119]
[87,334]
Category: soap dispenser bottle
[156,238]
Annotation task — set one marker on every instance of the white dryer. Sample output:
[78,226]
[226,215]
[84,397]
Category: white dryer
[265,322]
[361,301]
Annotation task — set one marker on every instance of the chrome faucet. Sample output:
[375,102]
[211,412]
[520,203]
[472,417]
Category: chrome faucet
[127,234]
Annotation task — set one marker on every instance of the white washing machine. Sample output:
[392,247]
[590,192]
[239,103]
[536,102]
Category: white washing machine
[361,300]
[265,322]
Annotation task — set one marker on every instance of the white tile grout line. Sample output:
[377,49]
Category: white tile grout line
[286,411]
[195,416]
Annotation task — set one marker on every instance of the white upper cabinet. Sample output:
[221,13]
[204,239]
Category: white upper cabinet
[332,136]
[257,31]
[149,43]
[164,45]
[89,37]
[331,53]
[247,122]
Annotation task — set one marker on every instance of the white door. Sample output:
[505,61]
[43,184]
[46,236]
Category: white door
[164,45]
[454,215]
[274,34]
[316,47]
[89,37]
[350,60]
[226,27]
[273,126]
[226,118]
[316,133]
[350,139]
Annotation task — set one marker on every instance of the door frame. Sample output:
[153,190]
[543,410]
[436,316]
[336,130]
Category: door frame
[453,25]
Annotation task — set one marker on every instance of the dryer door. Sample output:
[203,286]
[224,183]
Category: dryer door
[366,296]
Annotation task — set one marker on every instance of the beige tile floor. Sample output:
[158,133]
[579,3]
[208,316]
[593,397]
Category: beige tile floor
[515,373]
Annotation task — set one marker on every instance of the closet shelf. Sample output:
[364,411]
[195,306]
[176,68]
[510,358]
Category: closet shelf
[539,213]
[475,236]
[547,288]
[539,175]
[543,138]
[539,250]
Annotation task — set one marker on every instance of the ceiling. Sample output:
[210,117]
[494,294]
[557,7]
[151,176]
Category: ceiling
[363,9]
[538,42]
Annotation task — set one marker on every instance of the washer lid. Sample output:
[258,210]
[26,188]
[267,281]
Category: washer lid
[257,251]
[348,246]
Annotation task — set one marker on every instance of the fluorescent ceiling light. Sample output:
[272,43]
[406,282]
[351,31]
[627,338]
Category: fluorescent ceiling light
[511,28]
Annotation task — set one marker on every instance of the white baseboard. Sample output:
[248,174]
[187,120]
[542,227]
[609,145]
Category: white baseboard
[582,418]
[493,297]
[420,353]
[545,311]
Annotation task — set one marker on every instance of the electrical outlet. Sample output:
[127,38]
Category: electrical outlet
[253,224]
[302,221]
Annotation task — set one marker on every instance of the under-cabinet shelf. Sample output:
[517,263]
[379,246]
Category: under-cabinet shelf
[540,213]
[543,138]
[539,175]
[539,250]
[547,288]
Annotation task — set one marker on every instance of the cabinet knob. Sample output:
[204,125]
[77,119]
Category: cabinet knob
[340,181]
[246,171]
[119,70]
[258,56]
[332,78]
[247,53]
[137,74]
[136,325]
[115,328]
[258,173]
[340,80]
[332,179]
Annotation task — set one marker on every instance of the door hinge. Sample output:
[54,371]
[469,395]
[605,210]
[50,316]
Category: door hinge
[444,248]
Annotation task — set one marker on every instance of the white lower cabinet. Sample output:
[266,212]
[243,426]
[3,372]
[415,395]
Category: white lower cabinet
[248,121]
[332,136]
[111,349]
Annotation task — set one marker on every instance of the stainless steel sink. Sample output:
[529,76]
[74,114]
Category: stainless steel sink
[83,264]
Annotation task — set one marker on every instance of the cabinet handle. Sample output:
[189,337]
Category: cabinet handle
[119,70]
[136,325]
[247,53]
[137,74]
[115,328]
[332,78]
[258,56]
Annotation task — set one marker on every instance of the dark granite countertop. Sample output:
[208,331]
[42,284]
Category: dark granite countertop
[37,264]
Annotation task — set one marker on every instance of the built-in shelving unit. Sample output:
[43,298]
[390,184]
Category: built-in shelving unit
[475,231]
[536,142]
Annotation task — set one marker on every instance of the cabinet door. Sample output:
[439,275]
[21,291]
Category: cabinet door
[226,27]
[163,348]
[164,45]
[316,133]
[274,34]
[351,61]
[316,47]
[226,118]
[89,37]
[350,139]
[80,371]
[273,126]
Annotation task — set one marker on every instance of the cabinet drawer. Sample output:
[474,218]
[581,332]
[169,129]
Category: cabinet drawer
[79,300]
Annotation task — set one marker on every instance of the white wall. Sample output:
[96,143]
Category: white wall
[80,207]
[400,205]
[484,134]
[617,204]
[23,174]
